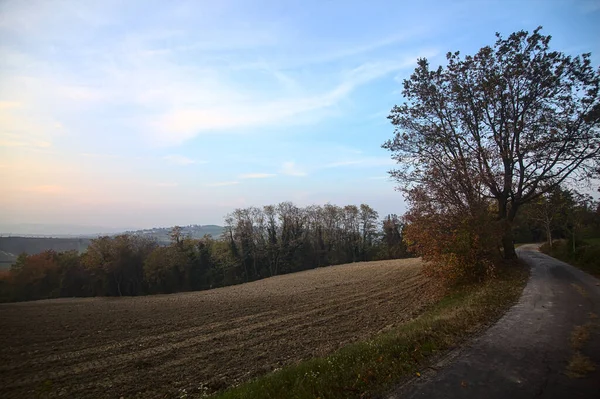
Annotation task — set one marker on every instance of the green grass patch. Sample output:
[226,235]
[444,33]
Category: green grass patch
[593,241]
[585,256]
[370,368]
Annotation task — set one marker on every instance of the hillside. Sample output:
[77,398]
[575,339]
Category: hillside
[162,234]
[11,247]
[6,259]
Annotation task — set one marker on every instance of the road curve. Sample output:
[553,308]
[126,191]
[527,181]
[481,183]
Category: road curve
[527,353]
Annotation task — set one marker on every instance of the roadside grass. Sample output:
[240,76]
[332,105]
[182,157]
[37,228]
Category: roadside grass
[585,257]
[579,366]
[580,335]
[370,368]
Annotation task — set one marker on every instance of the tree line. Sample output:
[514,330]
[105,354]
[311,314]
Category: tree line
[257,243]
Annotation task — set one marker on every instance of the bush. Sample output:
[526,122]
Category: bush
[457,248]
[585,255]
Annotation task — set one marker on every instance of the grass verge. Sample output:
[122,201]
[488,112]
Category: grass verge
[580,365]
[367,369]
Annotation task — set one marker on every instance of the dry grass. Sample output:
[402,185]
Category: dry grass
[579,366]
[580,335]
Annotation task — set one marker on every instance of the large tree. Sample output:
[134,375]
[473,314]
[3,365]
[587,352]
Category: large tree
[506,125]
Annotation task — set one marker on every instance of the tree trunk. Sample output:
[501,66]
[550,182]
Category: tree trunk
[508,243]
[549,234]
[506,216]
[118,281]
[254,266]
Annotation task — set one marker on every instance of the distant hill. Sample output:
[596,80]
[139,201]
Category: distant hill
[6,259]
[11,247]
[56,230]
[162,234]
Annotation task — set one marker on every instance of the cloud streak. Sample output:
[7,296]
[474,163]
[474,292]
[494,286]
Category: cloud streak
[164,184]
[241,110]
[256,175]
[341,163]
[365,162]
[291,169]
[180,160]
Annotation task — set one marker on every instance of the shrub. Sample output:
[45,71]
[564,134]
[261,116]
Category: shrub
[585,255]
[456,248]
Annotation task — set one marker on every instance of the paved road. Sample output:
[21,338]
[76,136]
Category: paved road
[526,354]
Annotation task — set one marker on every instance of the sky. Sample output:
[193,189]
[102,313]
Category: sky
[133,114]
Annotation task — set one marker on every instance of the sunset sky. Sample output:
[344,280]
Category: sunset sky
[134,114]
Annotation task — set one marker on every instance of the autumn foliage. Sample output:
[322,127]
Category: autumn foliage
[456,249]
[37,275]
[457,239]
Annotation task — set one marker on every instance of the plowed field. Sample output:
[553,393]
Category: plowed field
[159,346]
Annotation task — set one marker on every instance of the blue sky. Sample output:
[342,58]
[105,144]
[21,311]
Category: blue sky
[145,113]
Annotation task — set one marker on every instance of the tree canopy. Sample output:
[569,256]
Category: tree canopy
[499,128]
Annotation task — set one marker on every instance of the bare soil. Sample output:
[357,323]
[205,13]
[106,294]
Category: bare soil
[199,342]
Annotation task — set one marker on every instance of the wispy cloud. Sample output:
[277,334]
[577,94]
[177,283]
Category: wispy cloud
[365,162]
[347,149]
[98,155]
[256,175]
[290,169]
[181,160]
[341,163]
[332,52]
[223,183]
